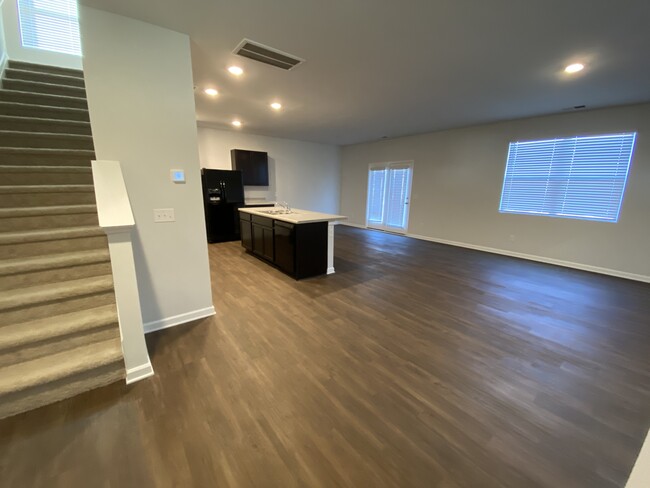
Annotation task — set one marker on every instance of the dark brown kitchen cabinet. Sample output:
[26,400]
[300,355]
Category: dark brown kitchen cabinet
[300,250]
[284,247]
[246,232]
[262,233]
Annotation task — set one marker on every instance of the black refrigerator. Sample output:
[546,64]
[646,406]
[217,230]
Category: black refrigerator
[223,195]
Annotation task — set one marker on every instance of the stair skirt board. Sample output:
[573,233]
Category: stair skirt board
[59,332]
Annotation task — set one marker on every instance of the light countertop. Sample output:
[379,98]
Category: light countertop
[297,216]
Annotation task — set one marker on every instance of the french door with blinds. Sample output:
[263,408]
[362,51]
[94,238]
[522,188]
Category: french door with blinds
[389,195]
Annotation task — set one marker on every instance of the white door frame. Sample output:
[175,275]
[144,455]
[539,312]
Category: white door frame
[387,165]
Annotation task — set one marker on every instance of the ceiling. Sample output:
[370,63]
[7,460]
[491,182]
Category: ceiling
[378,68]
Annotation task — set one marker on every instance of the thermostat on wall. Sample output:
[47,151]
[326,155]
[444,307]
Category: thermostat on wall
[178,175]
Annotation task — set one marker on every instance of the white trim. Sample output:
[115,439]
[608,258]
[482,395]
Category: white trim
[139,373]
[330,270]
[350,224]
[178,319]
[541,259]
[3,64]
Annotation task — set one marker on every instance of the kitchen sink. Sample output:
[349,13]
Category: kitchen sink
[277,212]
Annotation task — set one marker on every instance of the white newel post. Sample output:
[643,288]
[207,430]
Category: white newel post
[330,248]
[116,219]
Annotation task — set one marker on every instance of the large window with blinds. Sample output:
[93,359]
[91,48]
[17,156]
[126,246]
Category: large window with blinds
[575,177]
[52,25]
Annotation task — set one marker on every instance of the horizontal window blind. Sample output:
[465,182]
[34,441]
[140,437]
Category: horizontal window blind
[398,188]
[376,189]
[577,177]
[51,25]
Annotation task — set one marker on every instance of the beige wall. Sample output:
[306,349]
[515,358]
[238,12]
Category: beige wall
[304,174]
[141,100]
[457,185]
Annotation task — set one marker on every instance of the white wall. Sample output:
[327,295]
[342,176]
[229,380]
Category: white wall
[140,95]
[304,174]
[17,52]
[3,46]
[457,184]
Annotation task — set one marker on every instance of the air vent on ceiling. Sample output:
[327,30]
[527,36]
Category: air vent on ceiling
[267,55]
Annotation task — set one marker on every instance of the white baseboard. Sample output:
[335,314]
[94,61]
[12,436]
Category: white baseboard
[350,224]
[139,373]
[331,270]
[178,319]
[541,259]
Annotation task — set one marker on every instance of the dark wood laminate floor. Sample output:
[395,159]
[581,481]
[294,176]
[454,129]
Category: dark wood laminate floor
[417,364]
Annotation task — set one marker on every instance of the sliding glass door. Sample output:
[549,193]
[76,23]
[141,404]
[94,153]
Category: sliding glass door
[389,194]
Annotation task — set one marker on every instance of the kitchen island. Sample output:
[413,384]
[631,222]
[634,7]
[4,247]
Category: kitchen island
[298,242]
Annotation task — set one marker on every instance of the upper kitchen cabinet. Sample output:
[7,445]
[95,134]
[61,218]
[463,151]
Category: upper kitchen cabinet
[253,164]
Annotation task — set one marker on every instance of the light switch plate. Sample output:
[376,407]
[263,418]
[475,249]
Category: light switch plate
[177,175]
[164,215]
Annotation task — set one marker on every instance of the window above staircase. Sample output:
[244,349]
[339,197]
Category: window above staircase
[51,25]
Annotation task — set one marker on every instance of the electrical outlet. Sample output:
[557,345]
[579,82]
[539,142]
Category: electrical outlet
[163,215]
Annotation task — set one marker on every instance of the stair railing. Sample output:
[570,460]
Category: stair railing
[116,219]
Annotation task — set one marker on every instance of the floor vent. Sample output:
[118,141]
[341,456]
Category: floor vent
[267,55]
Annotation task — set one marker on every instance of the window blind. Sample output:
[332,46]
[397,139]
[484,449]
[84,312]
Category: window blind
[376,189]
[52,25]
[577,177]
[398,186]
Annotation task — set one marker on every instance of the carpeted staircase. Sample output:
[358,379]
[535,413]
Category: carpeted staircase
[59,332]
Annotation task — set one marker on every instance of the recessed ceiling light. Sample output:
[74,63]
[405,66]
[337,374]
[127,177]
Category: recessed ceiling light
[235,70]
[574,68]
[276,105]
[212,92]
[236,123]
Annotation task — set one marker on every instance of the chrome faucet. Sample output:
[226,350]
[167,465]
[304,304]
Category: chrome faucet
[284,206]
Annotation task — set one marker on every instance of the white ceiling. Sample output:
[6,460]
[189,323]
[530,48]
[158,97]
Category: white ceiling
[388,68]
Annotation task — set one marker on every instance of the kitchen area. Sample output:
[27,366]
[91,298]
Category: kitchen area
[298,242]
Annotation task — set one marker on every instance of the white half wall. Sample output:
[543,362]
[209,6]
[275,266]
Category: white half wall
[17,52]
[457,182]
[304,174]
[140,95]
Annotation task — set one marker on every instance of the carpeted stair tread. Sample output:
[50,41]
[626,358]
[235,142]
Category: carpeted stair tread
[43,99]
[24,297]
[42,87]
[17,168]
[26,333]
[52,261]
[45,135]
[20,109]
[11,189]
[43,68]
[29,374]
[51,210]
[49,234]
[61,125]
[40,151]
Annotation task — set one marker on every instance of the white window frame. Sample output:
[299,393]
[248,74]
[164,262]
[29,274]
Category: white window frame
[556,177]
[58,43]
